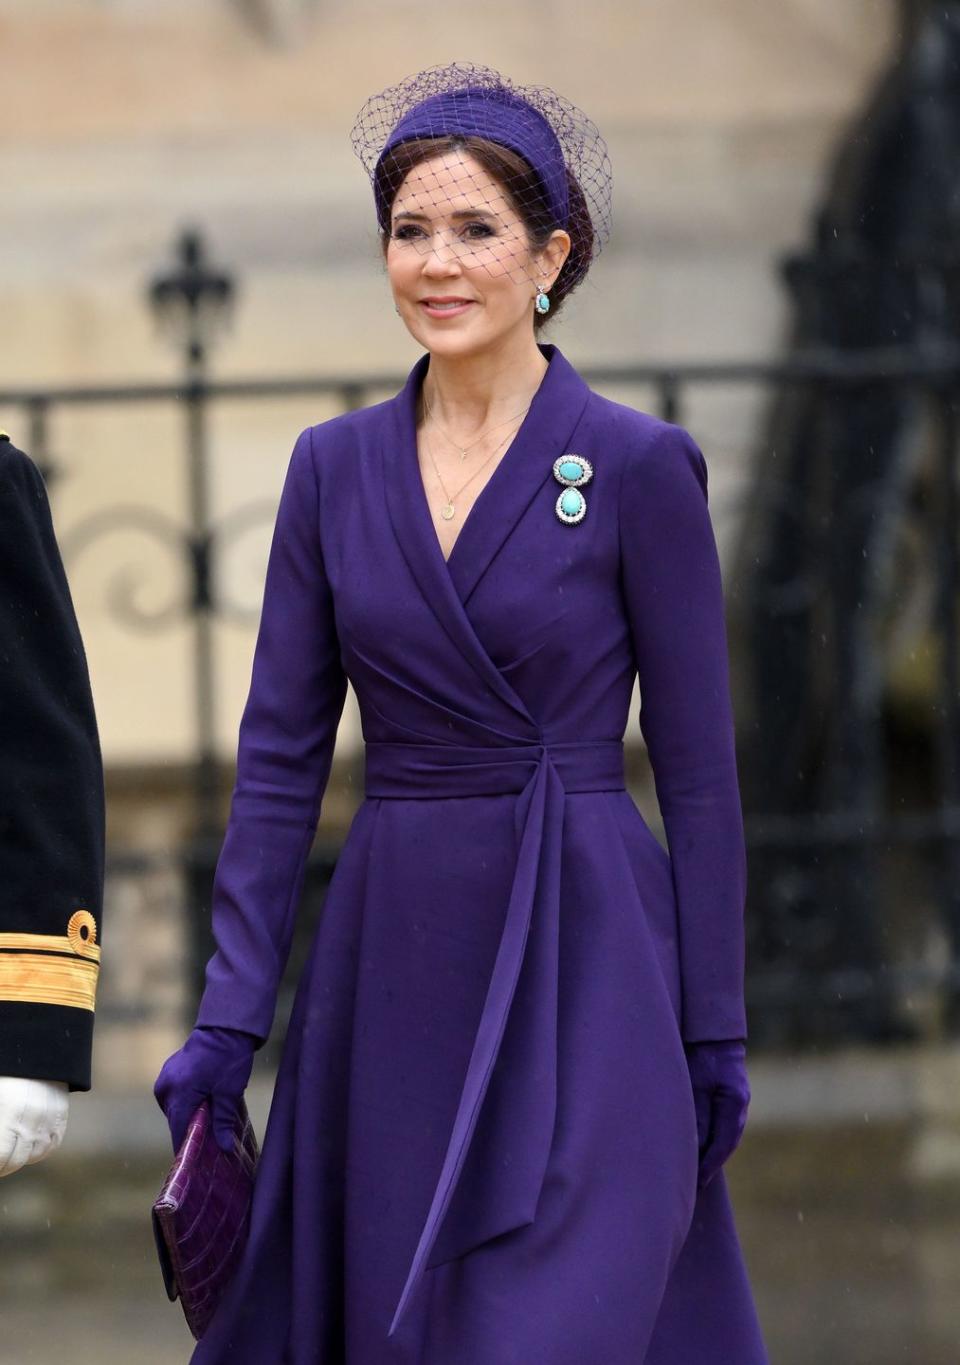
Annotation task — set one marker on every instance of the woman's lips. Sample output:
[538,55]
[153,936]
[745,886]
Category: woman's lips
[454,309]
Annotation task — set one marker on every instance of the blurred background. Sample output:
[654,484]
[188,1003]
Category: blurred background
[189,275]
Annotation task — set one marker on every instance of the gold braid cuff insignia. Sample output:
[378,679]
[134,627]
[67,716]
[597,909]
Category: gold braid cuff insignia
[50,969]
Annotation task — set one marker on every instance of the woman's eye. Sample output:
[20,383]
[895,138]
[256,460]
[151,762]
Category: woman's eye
[470,231]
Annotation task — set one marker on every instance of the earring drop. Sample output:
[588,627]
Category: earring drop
[542,301]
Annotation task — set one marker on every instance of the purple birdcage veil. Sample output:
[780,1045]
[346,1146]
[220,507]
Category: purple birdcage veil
[548,169]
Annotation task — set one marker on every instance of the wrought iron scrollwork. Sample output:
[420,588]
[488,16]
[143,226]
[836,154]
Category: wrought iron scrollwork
[127,577]
[199,558]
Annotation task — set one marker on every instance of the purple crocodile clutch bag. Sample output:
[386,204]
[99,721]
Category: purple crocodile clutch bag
[201,1215]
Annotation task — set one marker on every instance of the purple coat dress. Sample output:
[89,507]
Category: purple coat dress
[482,1146]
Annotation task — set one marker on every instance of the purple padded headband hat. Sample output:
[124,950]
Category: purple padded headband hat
[501,116]
[560,144]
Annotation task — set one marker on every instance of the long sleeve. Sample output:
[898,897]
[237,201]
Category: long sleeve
[674,596]
[285,752]
[51,799]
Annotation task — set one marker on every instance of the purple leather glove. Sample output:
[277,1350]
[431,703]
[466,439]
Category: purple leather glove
[721,1094]
[214,1064]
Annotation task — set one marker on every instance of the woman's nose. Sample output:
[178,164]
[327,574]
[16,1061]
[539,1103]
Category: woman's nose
[440,257]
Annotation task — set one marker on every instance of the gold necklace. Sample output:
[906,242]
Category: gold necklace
[456,444]
[448,510]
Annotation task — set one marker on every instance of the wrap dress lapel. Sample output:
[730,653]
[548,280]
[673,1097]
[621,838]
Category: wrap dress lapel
[528,463]
[496,1157]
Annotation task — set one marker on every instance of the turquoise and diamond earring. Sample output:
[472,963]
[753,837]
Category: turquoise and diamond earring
[542,301]
[572,471]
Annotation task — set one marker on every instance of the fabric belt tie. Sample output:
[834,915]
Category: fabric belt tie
[495,1161]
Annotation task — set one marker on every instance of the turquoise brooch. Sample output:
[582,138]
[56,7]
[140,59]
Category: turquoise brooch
[572,471]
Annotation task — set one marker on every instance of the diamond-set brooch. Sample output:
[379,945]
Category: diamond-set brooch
[572,471]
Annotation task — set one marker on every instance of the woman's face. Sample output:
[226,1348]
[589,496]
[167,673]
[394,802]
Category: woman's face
[459,260]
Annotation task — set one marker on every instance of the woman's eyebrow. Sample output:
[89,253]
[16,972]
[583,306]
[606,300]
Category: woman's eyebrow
[458,213]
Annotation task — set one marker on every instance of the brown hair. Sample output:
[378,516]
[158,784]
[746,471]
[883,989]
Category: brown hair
[524,189]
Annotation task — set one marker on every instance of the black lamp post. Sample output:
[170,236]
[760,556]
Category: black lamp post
[192,303]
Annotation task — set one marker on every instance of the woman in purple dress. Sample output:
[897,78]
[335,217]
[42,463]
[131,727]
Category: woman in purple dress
[515,1063]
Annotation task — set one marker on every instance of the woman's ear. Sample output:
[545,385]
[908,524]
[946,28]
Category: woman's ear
[552,255]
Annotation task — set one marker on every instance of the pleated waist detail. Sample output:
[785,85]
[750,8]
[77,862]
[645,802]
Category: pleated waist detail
[402,770]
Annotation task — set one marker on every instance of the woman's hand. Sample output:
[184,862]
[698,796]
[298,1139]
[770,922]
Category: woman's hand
[33,1119]
[214,1064]
[721,1094]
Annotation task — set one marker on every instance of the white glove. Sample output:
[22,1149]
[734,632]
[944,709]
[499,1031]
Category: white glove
[33,1120]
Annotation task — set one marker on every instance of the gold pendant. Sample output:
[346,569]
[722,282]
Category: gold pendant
[447,511]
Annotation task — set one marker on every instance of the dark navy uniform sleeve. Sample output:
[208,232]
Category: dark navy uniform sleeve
[51,799]
[674,596]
